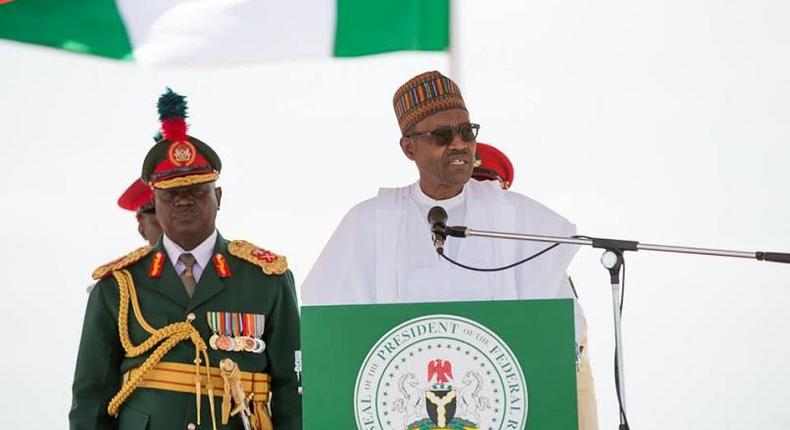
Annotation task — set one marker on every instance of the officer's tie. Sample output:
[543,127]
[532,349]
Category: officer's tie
[187,278]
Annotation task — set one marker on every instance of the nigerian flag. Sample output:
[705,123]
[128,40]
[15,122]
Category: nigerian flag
[222,32]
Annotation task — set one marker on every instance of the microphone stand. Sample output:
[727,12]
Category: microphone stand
[612,259]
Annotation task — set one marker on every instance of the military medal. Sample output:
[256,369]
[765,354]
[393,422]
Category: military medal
[212,341]
[258,325]
[248,331]
[226,343]
[213,322]
[251,335]
[246,327]
[237,326]
[236,332]
[219,323]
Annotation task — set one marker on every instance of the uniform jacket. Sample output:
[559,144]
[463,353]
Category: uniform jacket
[101,361]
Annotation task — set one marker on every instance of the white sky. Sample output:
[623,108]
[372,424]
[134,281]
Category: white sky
[664,122]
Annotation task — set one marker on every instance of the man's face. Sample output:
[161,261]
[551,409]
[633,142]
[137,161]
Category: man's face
[187,214]
[443,169]
[149,227]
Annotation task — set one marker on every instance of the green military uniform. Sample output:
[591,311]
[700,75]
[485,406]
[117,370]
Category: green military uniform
[101,362]
[161,352]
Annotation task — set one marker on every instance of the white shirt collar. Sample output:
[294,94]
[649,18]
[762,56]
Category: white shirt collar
[202,252]
[428,202]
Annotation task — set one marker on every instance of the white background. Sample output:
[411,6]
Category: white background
[664,122]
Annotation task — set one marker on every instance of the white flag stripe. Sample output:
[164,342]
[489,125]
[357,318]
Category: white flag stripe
[211,32]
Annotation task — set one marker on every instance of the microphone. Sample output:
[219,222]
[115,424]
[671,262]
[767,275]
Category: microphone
[437,218]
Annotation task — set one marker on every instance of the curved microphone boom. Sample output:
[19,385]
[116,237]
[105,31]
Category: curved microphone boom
[437,218]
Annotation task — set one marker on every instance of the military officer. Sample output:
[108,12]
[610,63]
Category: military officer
[194,332]
[137,198]
[492,164]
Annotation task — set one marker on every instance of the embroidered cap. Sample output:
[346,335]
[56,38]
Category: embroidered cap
[178,160]
[492,164]
[424,95]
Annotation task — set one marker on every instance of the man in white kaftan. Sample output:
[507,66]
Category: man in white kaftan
[382,250]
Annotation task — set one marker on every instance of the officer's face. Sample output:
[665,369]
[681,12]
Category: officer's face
[187,214]
[443,169]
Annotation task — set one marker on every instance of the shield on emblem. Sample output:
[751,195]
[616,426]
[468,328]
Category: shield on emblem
[440,405]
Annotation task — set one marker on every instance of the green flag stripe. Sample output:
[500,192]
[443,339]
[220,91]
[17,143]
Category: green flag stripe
[370,27]
[87,26]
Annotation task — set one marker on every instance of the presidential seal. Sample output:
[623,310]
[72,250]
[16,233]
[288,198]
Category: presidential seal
[440,372]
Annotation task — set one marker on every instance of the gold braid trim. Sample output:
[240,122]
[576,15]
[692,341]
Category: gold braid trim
[118,264]
[172,334]
[271,263]
[183,181]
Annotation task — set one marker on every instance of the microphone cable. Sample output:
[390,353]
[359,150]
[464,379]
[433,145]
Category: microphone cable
[624,425]
[509,266]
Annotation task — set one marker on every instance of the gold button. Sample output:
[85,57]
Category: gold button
[191,426]
[190,316]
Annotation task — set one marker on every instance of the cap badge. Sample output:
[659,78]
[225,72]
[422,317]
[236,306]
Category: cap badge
[182,153]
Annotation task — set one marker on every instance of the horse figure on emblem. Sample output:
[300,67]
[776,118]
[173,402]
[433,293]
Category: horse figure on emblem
[435,407]
[469,399]
[411,403]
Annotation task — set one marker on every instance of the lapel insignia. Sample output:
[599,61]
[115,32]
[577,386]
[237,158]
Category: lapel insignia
[221,264]
[118,264]
[157,264]
[271,263]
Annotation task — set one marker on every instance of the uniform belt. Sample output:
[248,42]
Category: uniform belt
[180,377]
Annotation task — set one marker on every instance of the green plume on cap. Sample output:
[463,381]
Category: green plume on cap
[171,105]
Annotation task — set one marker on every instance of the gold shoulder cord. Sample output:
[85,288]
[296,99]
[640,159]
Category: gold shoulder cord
[172,334]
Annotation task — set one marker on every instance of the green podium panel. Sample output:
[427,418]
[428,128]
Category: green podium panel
[465,365]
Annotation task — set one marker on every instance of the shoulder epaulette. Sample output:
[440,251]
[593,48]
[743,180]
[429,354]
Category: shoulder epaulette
[122,262]
[271,263]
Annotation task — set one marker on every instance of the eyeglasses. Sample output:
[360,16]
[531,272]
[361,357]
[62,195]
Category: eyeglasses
[443,136]
[196,192]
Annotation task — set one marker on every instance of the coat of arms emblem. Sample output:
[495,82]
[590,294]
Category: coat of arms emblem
[182,153]
[441,372]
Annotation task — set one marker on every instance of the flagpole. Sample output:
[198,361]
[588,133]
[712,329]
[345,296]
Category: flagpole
[454,52]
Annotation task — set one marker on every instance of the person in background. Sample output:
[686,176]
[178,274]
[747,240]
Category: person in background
[138,199]
[492,164]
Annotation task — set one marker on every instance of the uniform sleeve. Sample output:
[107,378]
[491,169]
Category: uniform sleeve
[97,376]
[282,343]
